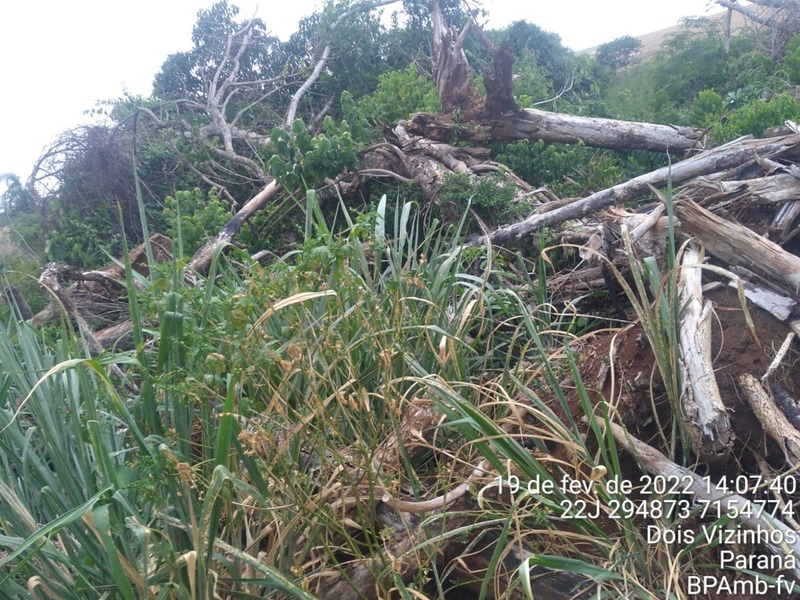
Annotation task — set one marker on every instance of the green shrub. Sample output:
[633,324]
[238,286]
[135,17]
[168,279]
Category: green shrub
[194,216]
[567,170]
[300,158]
[531,84]
[490,198]
[399,95]
[756,117]
[80,239]
[706,109]
[791,61]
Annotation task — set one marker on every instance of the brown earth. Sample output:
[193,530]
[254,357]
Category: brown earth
[635,387]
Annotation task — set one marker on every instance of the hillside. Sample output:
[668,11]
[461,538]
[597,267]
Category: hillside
[651,42]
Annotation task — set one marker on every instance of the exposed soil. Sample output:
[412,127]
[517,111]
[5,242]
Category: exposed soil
[635,387]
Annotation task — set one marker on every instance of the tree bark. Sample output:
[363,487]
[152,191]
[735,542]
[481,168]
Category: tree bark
[202,258]
[532,124]
[497,116]
[706,416]
[735,244]
[712,161]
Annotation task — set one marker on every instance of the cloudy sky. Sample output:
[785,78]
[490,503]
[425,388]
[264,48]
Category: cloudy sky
[59,57]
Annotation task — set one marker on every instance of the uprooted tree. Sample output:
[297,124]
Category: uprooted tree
[219,127]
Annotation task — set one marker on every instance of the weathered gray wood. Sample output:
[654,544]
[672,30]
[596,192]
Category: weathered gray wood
[706,416]
[201,260]
[711,161]
[777,305]
[772,419]
[748,515]
[774,189]
[497,116]
[735,244]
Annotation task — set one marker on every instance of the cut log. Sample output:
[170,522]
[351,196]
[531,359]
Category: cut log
[734,244]
[704,412]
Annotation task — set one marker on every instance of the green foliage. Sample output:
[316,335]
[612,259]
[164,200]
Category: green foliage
[691,61]
[490,197]
[618,54]
[15,198]
[551,56]
[184,75]
[791,61]
[531,82]
[194,216]
[22,271]
[756,117]
[253,388]
[400,94]
[79,238]
[706,109]
[301,159]
[568,170]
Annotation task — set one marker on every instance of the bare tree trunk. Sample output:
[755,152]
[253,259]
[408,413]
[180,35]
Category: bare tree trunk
[532,124]
[712,161]
[735,244]
[498,117]
[202,258]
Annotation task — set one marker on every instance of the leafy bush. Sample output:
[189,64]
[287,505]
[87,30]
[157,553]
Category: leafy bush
[567,170]
[791,61]
[706,109]
[399,95]
[192,216]
[301,159]
[756,117]
[531,83]
[489,197]
[82,239]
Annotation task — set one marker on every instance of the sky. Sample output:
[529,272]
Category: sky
[59,58]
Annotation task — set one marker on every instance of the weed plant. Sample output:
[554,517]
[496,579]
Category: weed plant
[237,459]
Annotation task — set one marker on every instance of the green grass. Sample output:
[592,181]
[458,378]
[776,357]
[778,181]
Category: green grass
[243,465]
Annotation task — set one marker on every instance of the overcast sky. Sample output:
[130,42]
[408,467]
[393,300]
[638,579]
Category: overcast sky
[58,57]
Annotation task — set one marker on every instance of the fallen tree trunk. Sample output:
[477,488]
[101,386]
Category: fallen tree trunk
[201,260]
[705,413]
[712,161]
[532,124]
[497,116]
[737,245]
[738,507]
[772,419]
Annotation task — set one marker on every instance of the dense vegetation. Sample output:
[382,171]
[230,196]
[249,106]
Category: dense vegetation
[231,452]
